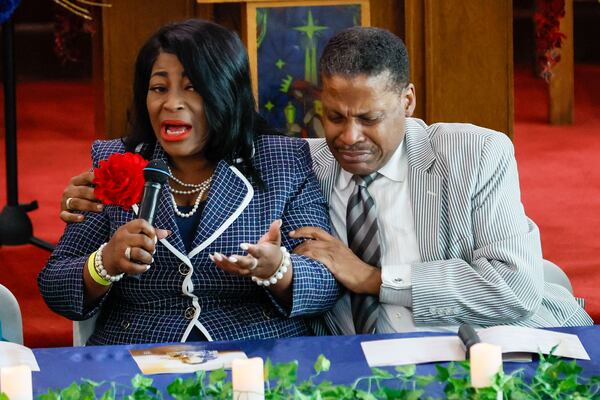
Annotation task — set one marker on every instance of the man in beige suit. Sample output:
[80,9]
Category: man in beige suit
[450,243]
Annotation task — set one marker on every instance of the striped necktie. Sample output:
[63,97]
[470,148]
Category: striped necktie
[363,240]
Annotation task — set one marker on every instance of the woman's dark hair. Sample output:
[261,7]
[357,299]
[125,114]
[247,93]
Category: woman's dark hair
[216,63]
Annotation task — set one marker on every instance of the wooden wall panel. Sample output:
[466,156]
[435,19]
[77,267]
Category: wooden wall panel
[388,14]
[466,48]
[414,38]
[561,88]
[125,27]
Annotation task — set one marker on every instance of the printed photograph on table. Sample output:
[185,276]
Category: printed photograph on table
[183,358]
[289,42]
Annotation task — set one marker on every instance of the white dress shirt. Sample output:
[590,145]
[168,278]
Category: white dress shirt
[391,193]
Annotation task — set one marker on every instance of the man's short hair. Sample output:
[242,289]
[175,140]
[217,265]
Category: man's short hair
[369,51]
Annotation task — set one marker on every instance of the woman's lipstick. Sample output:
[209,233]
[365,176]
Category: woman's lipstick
[174,130]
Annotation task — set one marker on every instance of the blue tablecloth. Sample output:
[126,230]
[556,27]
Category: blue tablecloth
[62,366]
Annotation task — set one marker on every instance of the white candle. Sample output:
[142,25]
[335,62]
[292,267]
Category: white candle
[248,379]
[16,382]
[486,362]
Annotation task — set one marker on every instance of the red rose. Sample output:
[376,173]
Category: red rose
[120,180]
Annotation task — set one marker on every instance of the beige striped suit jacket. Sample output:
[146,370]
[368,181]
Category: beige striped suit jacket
[482,258]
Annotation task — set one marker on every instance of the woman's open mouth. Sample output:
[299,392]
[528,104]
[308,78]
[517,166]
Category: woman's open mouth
[174,131]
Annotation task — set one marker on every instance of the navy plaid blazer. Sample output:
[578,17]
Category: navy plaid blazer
[183,291]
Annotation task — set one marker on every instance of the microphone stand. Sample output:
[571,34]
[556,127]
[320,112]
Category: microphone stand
[15,225]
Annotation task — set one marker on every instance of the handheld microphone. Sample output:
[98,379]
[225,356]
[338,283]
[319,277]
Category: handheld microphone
[156,174]
[468,336]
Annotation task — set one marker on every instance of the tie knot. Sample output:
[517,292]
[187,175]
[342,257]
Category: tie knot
[366,180]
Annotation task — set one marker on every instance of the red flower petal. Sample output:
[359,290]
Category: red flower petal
[119,180]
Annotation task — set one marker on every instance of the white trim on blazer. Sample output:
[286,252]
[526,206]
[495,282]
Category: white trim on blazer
[187,286]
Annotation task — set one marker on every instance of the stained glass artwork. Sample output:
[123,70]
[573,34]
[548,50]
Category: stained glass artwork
[290,41]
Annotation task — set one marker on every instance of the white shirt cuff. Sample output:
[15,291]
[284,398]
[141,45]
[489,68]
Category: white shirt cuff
[396,285]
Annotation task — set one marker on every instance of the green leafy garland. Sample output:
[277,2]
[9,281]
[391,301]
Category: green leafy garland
[553,379]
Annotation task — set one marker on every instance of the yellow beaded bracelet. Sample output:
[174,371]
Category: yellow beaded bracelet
[94,274]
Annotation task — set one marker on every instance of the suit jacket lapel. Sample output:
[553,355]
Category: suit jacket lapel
[229,195]
[165,219]
[325,166]
[427,193]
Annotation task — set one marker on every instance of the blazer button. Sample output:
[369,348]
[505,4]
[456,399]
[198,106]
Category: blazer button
[125,325]
[184,269]
[189,312]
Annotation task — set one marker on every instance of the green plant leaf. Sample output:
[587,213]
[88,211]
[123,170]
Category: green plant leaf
[322,364]
[200,376]
[285,373]
[442,373]
[298,395]
[414,394]
[391,393]
[568,384]
[141,382]
[337,392]
[91,382]
[363,395]
[108,395]
[406,371]
[217,375]
[424,380]
[49,395]
[325,386]
[87,391]
[176,388]
[381,373]
[72,392]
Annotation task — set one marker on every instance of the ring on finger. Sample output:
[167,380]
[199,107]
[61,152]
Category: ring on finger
[68,203]
[254,264]
[128,253]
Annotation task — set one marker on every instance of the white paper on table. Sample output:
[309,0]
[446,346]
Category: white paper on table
[381,353]
[13,354]
[514,339]
[517,343]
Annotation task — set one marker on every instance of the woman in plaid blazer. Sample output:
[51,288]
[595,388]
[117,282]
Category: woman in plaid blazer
[234,195]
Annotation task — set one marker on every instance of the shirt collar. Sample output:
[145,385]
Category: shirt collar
[395,169]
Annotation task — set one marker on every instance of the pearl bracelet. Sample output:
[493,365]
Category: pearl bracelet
[93,273]
[286,263]
[100,267]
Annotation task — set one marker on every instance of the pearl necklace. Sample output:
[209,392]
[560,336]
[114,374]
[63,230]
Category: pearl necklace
[177,191]
[190,185]
[199,188]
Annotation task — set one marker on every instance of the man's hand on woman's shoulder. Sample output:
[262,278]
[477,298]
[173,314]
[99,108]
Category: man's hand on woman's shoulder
[79,196]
